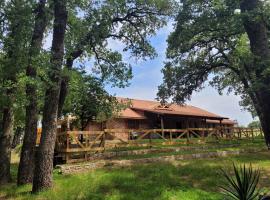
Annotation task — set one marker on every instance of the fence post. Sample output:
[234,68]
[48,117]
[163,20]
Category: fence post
[252,134]
[188,136]
[150,138]
[205,135]
[261,132]
[67,140]
[202,135]
[67,147]
[129,137]
[104,139]
[217,132]
[240,133]
[171,137]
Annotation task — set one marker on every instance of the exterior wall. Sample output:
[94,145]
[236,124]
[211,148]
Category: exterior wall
[118,124]
[94,126]
[169,123]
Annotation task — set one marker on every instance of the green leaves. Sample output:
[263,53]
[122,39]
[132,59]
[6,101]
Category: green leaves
[211,41]
[16,30]
[94,26]
[112,69]
[243,184]
[87,99]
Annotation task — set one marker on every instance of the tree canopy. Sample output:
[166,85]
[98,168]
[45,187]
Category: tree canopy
[35,77]
[254,124]
[225,43]
[88,100]
[209,42]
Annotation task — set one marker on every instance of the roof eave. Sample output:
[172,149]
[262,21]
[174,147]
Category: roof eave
[182,115]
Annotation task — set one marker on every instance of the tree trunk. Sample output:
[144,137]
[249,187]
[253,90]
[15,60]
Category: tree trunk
[26,166]
[5,145]
[65,80]
[63,94]
[265,121]
[256,28]
[257,32]
[17,139]
[264,116]
[44,159]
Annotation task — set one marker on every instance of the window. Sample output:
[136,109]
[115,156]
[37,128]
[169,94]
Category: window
[133,124]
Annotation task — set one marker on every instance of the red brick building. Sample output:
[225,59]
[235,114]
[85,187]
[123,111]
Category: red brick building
[143,114]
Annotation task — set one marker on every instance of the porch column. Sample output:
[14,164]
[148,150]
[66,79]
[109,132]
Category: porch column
[204,127]
[162,125]
[220,125]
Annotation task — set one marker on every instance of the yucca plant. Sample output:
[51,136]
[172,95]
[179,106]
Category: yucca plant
[242,185]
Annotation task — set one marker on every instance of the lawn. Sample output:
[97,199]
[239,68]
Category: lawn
[184,180]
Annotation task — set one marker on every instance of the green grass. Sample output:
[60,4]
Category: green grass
[183,180]
[159,144]
[222,145]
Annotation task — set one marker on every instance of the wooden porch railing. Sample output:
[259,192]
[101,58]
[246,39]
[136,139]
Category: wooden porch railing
[86,142]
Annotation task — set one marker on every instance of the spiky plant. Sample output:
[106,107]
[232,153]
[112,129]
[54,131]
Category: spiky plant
[242,185]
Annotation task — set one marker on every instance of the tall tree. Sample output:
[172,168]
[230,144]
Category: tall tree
[227,40]
[86,36]
[17,20]
[44,159]
[26,165]
[128,22]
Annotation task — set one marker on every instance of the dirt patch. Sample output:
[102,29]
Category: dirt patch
[86,166]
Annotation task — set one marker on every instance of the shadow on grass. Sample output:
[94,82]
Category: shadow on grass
[152,181]
[161,181]
[10,190]
[185,180]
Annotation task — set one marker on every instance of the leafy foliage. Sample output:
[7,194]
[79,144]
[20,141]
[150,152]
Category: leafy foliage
[127,23]
[243,185]
[254,124]
[210,42]
[88,100]
[93,29]
[16,23]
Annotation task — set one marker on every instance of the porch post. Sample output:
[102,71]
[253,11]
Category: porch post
[162,125]
[220,125]
[204,127]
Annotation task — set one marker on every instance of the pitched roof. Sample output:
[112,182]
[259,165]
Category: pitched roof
[172,109]
[131,114]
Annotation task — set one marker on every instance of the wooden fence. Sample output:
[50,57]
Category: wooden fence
[72,145]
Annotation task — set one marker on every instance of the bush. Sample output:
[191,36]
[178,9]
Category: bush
[242,185]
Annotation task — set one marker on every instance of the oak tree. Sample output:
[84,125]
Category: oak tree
[16,22]
[227,41]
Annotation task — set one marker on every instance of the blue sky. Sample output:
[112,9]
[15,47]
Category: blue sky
[147,77]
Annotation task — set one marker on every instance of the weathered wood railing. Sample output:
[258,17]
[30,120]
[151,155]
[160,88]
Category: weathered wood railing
[89,142]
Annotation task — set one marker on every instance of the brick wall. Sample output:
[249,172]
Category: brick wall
[118,124]
[94,126]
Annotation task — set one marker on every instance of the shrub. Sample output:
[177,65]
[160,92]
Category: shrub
[242,185]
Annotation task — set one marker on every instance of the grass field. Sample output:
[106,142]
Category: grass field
[183,180]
